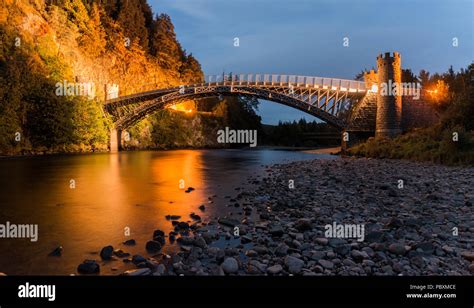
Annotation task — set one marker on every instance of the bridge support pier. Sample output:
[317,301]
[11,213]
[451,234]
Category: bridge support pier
[115,140]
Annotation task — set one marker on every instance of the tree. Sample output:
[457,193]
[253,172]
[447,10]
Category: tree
[130,15]
[360,76]
[164,45]
[190,70]
[439,94]
[424,78]
[408,76]
[93,38]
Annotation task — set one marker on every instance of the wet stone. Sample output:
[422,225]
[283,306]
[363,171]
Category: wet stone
[107,252]
[88,267]
[153,246]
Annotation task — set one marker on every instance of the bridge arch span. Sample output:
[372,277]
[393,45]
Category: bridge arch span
[167,100]
[327,99]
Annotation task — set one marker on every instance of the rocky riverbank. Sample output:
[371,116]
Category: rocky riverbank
[417,219]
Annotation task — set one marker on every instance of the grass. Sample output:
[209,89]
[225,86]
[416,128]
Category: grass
[435,144]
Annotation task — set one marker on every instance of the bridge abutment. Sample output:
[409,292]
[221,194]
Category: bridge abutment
[115,140]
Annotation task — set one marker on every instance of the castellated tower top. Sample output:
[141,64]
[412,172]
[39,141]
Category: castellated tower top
[370,78]
[388,56]
[388,59]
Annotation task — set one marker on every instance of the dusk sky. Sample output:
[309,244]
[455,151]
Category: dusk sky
[303,37]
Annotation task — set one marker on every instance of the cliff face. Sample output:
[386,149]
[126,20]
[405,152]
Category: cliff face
[51,44]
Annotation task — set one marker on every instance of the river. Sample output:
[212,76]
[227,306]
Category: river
[85,202]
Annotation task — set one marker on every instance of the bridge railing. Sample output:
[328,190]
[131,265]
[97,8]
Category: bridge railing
[282,80]
[352,86]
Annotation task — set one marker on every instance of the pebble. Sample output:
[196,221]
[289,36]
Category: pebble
[137,259]
[57,251]
[107,252]
[277,231]
[322,241]
[471,267]
[138,272]
[281,250]
[158,233]
[275,269]
[200,242]
[468,255]
[121,254]
[88,267]
[303,224]
[228,222]
[153,246]
[359,255]
[294,265]
[172,217]
[397,249]
[230,265]
[130,242]
[326,264]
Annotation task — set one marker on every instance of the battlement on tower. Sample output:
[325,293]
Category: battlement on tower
[388,59]
[388,56]
[370,78]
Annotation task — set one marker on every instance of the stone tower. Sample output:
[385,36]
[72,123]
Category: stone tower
[389,106]
[370,79]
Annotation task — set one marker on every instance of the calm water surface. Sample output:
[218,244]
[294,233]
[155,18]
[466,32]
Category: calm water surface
[134,190]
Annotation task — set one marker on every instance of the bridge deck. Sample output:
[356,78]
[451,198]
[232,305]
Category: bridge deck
[257,80]
[294,80]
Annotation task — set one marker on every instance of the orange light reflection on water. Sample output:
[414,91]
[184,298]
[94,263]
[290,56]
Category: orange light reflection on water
[126,190]
[184,168]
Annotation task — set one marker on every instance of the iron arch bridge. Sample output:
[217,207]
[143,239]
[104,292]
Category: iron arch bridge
[328,99]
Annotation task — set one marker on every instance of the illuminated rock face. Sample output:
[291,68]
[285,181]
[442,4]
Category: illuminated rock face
[389,105]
